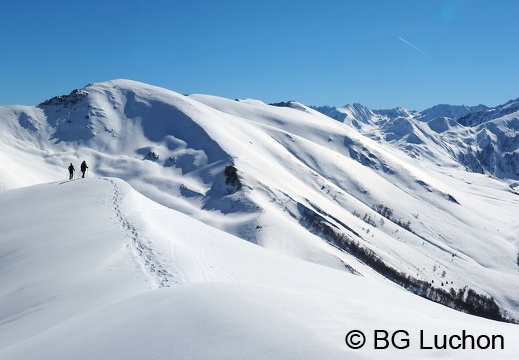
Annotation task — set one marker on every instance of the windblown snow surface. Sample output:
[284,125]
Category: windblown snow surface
[157,255]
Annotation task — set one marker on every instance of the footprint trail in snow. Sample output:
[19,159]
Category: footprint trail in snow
[142,249]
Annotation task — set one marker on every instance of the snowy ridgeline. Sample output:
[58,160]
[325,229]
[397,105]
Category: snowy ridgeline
[215,172]
[482,139]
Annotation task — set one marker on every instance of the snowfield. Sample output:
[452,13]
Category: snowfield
[92,269]
[158,254]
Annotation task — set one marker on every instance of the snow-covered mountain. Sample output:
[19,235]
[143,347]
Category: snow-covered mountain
[182,188]
[482,139]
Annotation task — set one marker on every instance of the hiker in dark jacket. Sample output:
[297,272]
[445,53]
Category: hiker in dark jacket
[84,167]
[71,171]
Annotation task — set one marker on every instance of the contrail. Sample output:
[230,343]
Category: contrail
[408,43]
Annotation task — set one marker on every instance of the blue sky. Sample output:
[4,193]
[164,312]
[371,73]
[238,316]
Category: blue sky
[382,54]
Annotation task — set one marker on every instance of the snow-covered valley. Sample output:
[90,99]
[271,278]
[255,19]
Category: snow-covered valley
[155,254]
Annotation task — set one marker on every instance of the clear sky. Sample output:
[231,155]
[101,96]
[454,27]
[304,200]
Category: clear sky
[382,54]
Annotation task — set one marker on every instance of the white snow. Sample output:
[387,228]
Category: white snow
[149,259]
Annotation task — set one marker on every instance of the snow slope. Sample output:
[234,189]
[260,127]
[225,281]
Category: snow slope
[298,172]
[92,269]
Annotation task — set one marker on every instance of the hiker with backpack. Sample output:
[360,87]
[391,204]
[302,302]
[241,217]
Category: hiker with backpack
[71,171]
[84,168]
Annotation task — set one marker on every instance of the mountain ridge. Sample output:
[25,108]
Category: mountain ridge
[451,127]
[391,183]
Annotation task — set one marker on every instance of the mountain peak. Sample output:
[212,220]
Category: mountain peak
[449,111]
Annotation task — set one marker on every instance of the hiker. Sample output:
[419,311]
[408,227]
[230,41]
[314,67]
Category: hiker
[84,167]
[71,171]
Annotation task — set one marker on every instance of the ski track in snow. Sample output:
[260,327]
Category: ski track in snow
[144,255]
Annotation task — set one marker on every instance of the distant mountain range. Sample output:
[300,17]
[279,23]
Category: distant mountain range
[483,139]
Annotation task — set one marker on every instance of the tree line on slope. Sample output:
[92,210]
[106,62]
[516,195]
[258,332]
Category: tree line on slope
[466,300]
